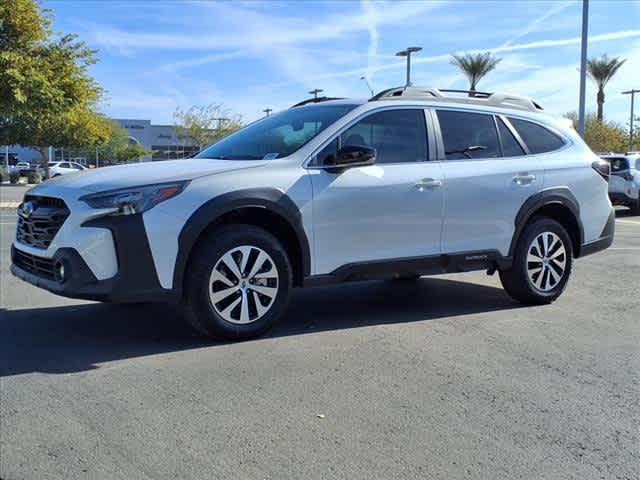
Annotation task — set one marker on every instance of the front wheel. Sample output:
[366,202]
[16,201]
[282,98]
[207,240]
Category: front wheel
[541,264]
[238,283]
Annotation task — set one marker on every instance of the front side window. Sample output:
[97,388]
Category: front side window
[618,164]
[399,136]
[468,135]
[536,137]
[276,136]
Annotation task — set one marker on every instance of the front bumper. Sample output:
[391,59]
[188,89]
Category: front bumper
[135,280]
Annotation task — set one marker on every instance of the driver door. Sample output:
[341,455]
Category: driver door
[390,210]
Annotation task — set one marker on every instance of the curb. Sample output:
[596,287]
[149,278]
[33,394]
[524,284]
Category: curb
[12,205]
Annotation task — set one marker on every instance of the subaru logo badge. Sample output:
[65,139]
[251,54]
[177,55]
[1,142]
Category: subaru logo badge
[26,209]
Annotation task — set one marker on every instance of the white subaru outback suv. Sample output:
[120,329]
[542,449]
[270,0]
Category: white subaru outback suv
[414,181]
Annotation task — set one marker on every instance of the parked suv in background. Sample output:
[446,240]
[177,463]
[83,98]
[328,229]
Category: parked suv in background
[624,184]
[411,182]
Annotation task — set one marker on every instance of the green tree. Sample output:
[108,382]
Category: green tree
[475,67]
[47,96]
[633,144]
[601,70]
[119,148]
[206,124]
[602,136]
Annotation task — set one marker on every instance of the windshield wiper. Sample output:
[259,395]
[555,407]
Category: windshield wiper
[235,157]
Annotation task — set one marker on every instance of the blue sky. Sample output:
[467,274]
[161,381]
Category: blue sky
[249,55]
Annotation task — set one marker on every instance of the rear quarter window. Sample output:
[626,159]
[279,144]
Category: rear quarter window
[539,139]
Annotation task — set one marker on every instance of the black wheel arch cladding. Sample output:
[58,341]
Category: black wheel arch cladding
[535,203]
[271,199]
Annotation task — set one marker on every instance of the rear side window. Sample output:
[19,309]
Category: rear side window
[536,137]
[510,146]
[468,135]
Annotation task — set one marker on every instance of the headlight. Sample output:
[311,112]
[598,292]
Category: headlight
[129,201]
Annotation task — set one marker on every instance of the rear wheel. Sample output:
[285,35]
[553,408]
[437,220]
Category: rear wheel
[238,283]
[541,264]
[635,207]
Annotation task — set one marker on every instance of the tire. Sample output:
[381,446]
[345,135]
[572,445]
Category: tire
[635,207]
[212,289]
[533,285]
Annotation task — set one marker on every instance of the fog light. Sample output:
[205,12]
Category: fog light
[60,271]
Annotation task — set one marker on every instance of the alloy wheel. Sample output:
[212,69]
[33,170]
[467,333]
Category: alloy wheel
[546,261]
[243,284]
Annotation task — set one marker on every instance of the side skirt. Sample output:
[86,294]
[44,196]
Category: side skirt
[405,267]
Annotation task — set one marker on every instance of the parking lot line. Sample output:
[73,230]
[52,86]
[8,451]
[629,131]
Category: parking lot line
[628,222]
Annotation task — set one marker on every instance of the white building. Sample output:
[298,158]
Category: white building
[161,140]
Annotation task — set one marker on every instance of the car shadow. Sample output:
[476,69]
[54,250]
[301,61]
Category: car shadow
[79,338]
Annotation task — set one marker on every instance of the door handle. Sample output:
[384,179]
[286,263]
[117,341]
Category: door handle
[428,184]
[524,179]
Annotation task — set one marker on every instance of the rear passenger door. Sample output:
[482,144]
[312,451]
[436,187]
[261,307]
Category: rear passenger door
[487,177]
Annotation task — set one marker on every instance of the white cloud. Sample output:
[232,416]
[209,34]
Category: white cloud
[539,22]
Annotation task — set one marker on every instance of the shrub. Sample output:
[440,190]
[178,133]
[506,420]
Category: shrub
[2,175]
[34,177]
[14,177]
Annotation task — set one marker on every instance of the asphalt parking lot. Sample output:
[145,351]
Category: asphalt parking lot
[444,378]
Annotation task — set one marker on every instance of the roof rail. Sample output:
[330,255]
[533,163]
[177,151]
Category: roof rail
[503,100]
[315,100]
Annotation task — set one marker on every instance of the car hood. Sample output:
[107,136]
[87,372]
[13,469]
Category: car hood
[145,173]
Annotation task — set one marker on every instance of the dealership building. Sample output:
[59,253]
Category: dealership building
[161,140]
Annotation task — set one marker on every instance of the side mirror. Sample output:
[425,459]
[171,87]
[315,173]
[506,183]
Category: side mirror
[355,156]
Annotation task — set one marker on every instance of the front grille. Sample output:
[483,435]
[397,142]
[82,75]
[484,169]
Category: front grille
[42,267]
[40,226]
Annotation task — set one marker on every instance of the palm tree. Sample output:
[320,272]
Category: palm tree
[601,70]
[475,66]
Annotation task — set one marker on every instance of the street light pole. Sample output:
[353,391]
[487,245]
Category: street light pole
[631,92]
[267,111]
[315,92]
[407,53]
[368,84]
[583,65]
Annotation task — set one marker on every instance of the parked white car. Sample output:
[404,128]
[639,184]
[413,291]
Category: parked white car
[19,166]
[409,183]
[63,168]
[624,184]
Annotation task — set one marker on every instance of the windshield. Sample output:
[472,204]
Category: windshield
[278,135]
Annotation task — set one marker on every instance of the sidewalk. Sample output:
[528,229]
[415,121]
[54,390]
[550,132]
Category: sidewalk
[11,195]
